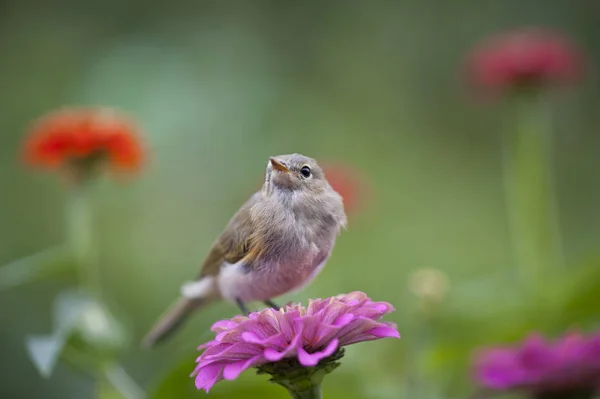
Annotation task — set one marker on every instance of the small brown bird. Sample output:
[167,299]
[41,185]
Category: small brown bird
[277,242]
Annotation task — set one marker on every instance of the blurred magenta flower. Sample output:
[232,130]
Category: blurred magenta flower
[79,140]
[348,182]
[303,334]
[530,57]
[565,369]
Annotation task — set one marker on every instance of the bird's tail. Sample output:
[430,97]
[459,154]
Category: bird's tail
[172,319]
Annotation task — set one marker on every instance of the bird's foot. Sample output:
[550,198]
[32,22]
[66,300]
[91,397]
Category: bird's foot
[242,306]
[272,304]
[275,306]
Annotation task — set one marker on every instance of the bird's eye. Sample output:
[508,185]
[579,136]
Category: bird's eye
[305,171]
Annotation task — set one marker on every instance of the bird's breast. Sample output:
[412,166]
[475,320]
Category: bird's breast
[292,242]
[293,235]
[269,278]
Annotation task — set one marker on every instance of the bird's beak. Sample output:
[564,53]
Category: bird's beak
[278,165]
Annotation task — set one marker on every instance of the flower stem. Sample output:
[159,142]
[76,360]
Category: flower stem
[79,236]
[531,200]
[312,392]
[301,382]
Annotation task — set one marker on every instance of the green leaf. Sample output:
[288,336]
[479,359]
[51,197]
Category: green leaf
[44,351]
[177,383]
[96,336]
[100,330]
[580,295]
[34,267]
[68,308]
[85,332]
[104,390]
[118,384]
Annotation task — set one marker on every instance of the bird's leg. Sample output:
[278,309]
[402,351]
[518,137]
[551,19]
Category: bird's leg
[242,306]
[272,304]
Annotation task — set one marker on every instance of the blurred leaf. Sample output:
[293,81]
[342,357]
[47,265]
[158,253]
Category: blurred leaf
[44,351]
[36,266]
[580,292]
[104,390]
[87,334]
[99,329]
[68,308]
[96,336]
[89,322]
[177,382]
[119,385]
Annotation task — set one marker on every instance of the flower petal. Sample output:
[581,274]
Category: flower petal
[312,359]
[233,370]
[384,332]
[208,376]
[273,355]
[344,320]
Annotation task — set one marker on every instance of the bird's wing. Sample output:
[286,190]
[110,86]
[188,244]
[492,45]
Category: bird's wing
[234,243]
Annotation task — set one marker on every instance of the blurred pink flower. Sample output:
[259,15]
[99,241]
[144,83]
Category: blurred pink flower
[531,57]
[309,334]
[562,369]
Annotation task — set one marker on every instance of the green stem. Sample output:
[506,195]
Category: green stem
[123,383]
[301,382]
[311,392]
[79,235]
[531,200]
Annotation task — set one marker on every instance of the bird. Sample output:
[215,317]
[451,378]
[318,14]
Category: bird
[276,243]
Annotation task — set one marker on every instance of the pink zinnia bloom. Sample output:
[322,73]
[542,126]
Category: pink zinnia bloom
[308,334]
[525,58]
[568,366]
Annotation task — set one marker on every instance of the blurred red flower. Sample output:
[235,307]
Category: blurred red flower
[350,184]
[531,57]
[78,138]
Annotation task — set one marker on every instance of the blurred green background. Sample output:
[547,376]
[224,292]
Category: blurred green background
[218,87]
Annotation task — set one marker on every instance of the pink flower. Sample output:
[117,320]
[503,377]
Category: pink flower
[308,334]
[525,58]
[569,366]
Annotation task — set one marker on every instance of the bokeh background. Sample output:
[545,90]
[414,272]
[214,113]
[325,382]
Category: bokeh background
[218,87]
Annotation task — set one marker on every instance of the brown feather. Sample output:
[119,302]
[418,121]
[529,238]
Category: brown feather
[234,243]
[172,320]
